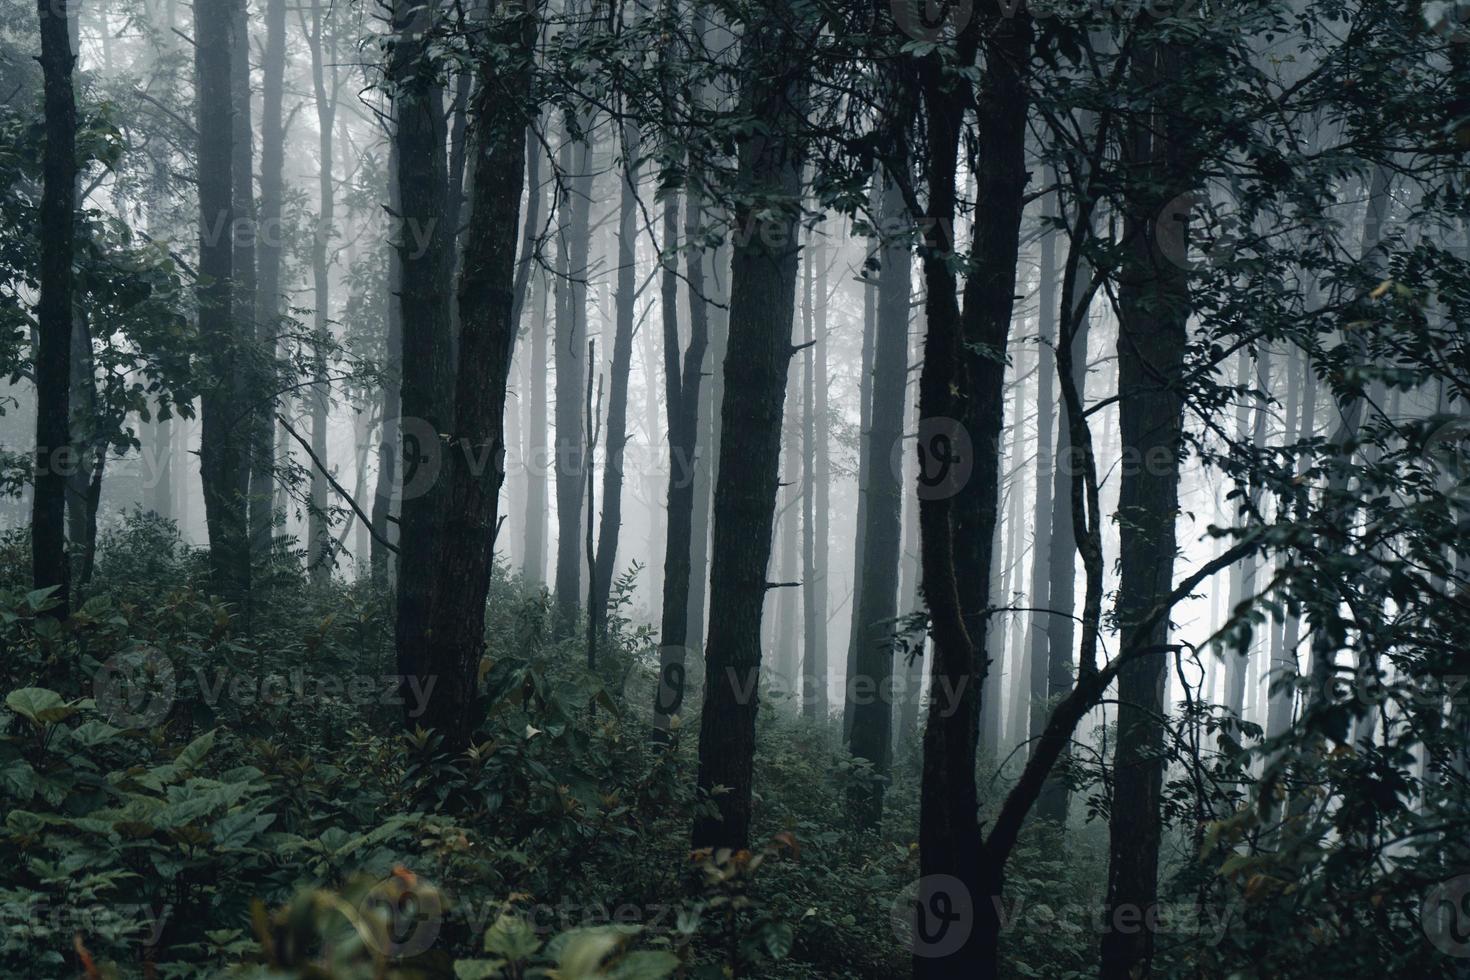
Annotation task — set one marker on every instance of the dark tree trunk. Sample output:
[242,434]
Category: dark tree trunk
[423,242]
[762,293]
[1046,402]
[223,459]
[687,472]
[865,466]
[622,366]
[319,533]
[474,459]
[1153,313]
[49,564]
[534,563]
[814,521]
[872,714]
[268,248]
[574,242]
[1061,562]
[963,378]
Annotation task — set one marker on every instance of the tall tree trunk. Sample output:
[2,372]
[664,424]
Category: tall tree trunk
[762,294]
[268,248]
[474,462]
[1153,313]
[616,439]
[49,564]
[816,505]
[865,464]
[574,242]
[688,456]
[871,736]
[962,378]
[320,558]
[712,396]
[1038,679]
[223,444]
[534,564]
[423,243]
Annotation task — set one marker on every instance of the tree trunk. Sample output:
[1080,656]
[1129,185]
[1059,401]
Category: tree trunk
[762,294]
[319,556]
[474,461]
[1038,680]
[871,736]
[815,504]
[573,243]
[533,563]
[865,466]
[962,378]
[1153,312]
[223,444]
[616,439]
[49,564]
[268,249]
[684,387]
[423,243]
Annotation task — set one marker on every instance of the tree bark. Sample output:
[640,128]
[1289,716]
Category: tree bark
[871,737]
[319,533]
[390,450]
[474,461]
[49,563]
[268,250]
[574,242]
[616,438]
[1153,313]
[423,242]
[762,294]
[223,444]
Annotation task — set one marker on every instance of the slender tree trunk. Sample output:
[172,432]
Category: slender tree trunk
[574,242]
[1062,546]
[688,457]
[390,451]
[423,242]
[762,293]
[1153,314]
[865,467]
[816,505]
[711,397]
[962,378]
[223,444]
[268,250]
[622,367]
[49,564]
[1038,681]
[871,737]
[474,462]
[536,439]
[320,558]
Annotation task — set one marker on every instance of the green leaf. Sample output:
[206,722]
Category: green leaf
[513,938]
[41,706]
[193,753]
[477,969]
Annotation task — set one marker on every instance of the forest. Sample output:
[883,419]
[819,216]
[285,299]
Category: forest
[643,489]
